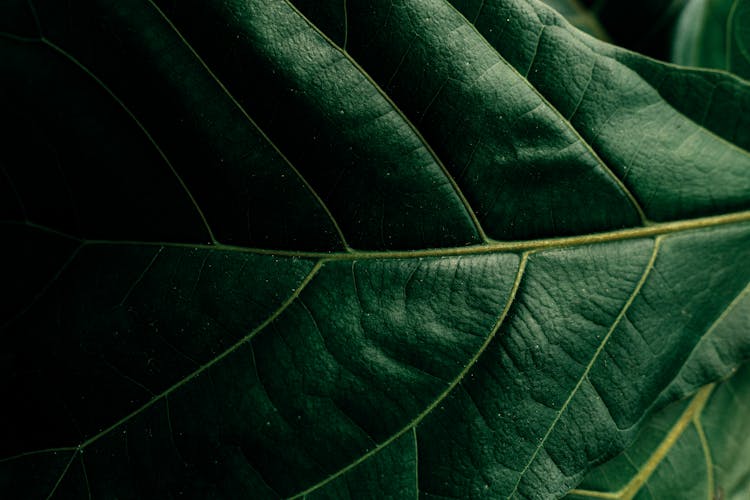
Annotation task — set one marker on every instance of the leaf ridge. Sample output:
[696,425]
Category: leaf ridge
[613,53]
[738,298]
[415,422]
[636,291]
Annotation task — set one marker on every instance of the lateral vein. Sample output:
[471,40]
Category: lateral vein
[213,361]
[415,422]
[636,291]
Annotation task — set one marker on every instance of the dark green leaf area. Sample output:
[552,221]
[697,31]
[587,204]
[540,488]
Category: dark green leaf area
[123,323]
[62,128]
[726,450]
[712,358]
[707,98]
[31,264]
[33,475]
[650,347]
[697,448]
[659,150]
[392,474]
[615,113]
[343,134]
[617,473]
[356,381]
[183,147]
[251,261]
[374,344]
[514,394]
[488,124]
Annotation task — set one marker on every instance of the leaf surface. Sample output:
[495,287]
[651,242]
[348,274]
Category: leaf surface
[406,249]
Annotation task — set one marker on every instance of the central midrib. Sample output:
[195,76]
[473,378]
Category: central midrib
[658,229]
[653,230]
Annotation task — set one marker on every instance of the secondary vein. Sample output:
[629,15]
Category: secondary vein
[415,422]
[215,360]
[636,291]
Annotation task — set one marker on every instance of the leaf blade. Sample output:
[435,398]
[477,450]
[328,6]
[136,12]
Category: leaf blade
[423,331]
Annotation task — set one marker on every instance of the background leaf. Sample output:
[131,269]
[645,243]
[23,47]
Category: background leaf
[714,34]
[419,248]
[645,26]
[579,16]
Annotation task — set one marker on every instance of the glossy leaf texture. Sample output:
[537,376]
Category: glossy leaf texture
[696,448]
[714,34]
[273,249]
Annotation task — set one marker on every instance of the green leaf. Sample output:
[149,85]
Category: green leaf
[696,448]
[400,249]
[714,34]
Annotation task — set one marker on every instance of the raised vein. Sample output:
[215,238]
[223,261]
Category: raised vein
[140,125]
[657,229]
